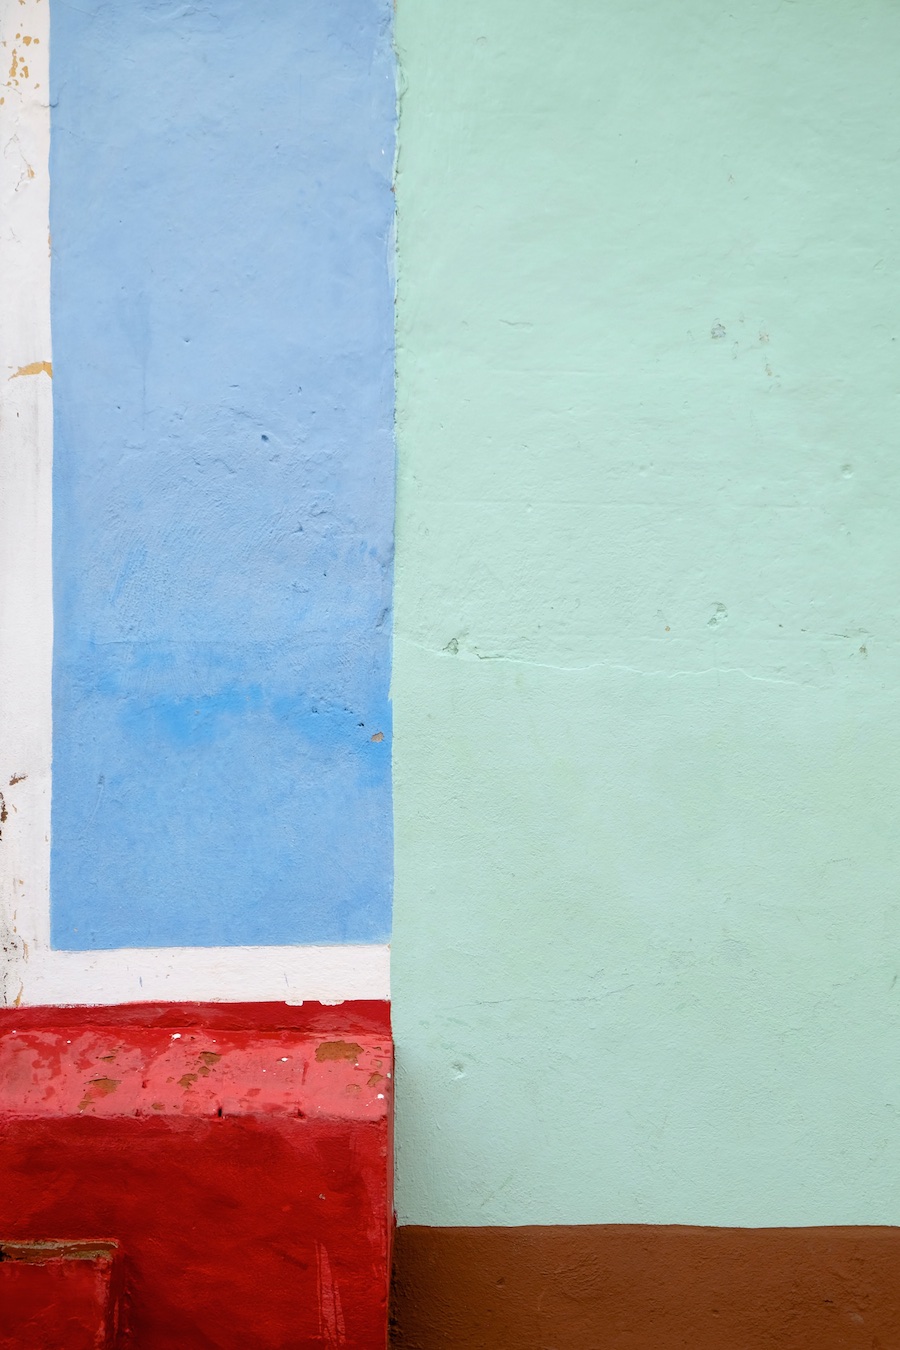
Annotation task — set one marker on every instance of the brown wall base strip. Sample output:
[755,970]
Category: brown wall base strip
[637,1287]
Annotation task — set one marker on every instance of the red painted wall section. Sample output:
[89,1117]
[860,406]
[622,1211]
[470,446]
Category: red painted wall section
[56,1295]
[239,1155]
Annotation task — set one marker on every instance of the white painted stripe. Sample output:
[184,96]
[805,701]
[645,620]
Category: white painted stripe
[26,445]
[234,974]
[30,972]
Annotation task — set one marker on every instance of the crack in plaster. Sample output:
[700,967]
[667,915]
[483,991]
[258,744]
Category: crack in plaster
[471,654]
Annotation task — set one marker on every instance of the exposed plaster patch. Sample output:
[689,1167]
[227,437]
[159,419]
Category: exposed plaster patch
[337,1050]
[33,367]
[96,1089]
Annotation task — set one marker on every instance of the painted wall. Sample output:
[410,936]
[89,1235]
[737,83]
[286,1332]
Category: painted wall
[646,944]
[647,937]
[211,432]
[222,318]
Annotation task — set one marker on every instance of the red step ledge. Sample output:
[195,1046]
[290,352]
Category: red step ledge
[239,1155]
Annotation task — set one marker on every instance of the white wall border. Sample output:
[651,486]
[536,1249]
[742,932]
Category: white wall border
[26,448]
[30,972]
[208,974]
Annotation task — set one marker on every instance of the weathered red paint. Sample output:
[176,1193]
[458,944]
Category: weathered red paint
[58,1295]
[240,1155]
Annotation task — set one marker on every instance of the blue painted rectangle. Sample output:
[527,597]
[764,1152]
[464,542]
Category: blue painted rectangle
[222,308]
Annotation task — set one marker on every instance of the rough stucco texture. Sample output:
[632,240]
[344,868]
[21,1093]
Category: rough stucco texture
[222,306]
[647,938]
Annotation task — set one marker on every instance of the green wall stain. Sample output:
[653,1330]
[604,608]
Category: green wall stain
[647,923]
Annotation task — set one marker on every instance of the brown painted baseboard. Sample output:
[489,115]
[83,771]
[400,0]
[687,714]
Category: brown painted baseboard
[637,1287]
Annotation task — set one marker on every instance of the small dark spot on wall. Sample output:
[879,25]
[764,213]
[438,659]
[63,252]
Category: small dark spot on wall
[187,1080]
[379,736]
[17,778]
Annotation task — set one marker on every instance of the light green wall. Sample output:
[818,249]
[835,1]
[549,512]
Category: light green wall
[647,925]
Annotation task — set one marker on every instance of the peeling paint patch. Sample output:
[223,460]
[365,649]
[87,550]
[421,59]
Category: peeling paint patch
[337,1050]
[98,1088]
[34,367]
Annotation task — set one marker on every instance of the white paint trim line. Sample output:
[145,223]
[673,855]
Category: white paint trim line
[207,974]
[26,452]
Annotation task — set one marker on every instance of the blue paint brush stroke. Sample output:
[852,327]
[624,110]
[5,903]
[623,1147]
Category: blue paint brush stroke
[222,306]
